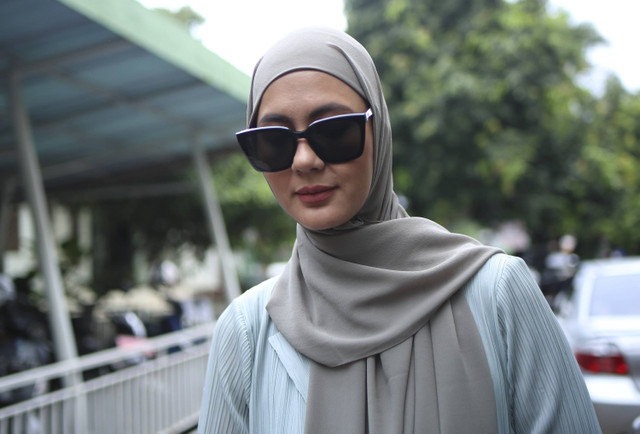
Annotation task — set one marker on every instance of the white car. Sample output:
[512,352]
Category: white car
[601,319]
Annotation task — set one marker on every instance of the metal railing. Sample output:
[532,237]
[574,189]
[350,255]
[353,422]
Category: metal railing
[158,390]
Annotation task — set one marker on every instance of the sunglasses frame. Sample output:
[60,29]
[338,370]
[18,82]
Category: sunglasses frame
[245,135]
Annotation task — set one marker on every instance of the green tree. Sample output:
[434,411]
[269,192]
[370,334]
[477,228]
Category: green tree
[605,184]
[483,100]
[155,225]
[185,16]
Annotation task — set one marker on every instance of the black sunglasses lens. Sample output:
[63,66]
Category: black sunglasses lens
[270,149]
[334,140]
[337,140]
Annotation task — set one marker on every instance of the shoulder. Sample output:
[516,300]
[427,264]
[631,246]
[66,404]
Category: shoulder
[495,287]
[503,279]
[256,298]
[504,296]
[245,315]
[502,268]
[538,385]
[249,309]
[509,305]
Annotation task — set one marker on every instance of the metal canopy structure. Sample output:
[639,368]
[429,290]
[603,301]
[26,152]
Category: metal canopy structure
[110,86]
[98,90]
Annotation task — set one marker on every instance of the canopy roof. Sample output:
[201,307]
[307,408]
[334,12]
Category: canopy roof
[111,88]
[97,92]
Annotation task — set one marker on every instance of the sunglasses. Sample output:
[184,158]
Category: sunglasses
[337,139]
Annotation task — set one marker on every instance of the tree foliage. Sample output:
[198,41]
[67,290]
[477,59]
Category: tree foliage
[185,17]
[489,122]
[159,225]
[605,182]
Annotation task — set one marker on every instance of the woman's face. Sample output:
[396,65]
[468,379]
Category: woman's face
[316,194]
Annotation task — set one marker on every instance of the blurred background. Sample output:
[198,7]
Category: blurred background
[128,214]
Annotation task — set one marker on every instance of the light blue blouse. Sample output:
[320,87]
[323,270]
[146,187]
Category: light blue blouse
[257,383]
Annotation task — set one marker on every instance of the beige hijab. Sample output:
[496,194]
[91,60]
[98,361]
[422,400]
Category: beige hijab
[375,303]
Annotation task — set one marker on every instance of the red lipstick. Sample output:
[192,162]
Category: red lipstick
[315,193]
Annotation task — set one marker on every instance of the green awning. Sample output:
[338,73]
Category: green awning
[112,88]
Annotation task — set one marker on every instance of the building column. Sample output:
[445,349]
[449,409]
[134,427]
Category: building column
[216,221]
[59,321]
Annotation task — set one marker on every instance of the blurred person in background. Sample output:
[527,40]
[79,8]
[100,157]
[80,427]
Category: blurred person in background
[379,322]
[563,263]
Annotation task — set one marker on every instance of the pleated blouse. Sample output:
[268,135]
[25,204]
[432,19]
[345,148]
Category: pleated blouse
[256,382]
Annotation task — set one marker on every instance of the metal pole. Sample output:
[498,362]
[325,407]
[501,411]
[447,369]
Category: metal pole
[216,221]
[61,330]
[5,205]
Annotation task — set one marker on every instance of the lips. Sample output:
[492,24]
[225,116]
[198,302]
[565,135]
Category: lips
[315,193]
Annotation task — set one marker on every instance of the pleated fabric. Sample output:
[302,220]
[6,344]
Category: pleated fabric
[257,382]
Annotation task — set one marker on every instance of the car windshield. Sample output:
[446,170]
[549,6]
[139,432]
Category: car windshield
[616,296]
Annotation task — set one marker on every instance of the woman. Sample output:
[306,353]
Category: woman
[380,323]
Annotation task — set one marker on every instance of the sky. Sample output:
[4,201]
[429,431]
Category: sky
[240,31]
[616,21]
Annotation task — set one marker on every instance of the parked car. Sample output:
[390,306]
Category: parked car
[601,318]
[635,428]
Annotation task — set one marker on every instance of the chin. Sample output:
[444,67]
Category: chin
[323,218]
[321,225]
[317,227]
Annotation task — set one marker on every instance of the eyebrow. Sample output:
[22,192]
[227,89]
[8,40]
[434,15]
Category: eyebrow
[317,113]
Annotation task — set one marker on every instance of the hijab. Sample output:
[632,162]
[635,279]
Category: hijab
[375,303]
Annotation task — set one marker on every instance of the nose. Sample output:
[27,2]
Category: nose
[305,159]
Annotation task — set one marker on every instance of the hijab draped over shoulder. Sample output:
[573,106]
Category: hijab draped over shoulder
[375,304]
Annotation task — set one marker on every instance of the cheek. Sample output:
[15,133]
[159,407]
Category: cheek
[361,175]
[276,183]
[370,155]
